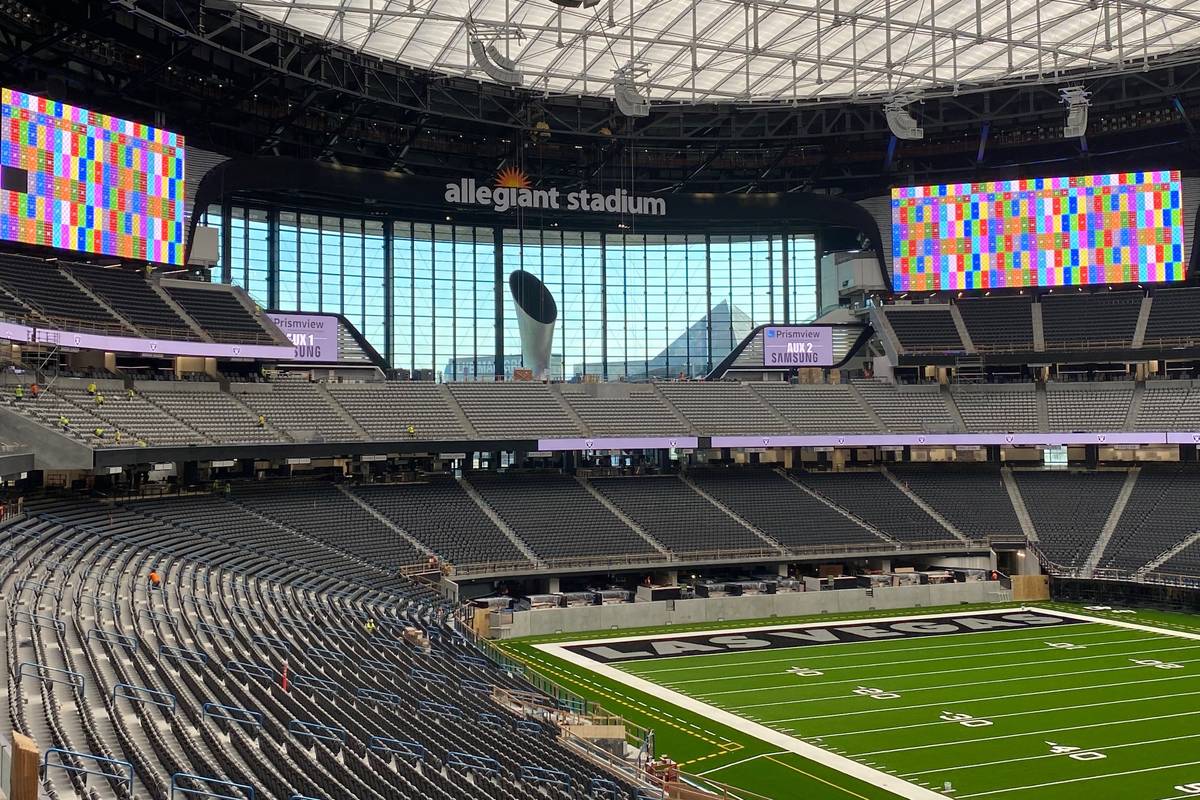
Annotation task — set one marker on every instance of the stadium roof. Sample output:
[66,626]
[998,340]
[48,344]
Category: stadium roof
[780,50]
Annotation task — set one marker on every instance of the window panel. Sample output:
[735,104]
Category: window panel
[802,278]
[424,324]
[288,247]
[374,278]
[593,332]
[512,255]
[352,271]
[485,304]
[212,219]
[403,308]
[310,262]
[237,247]
[614,301]
[442,268]
[331,264]
[697,306]
[258,257]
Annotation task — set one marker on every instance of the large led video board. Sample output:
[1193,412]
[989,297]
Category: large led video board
[79,180]
[1094,229]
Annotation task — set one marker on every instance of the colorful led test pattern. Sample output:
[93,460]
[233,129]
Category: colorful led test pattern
[1095,229]
[75,179]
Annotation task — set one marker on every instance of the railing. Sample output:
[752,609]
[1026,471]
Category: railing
[1071,344]
[239,337]
[125,777]
[181,333]
[53,323]
[689,557]
[141,694]
[1128,576]
[416,570]
[315,730]
[1172,342]
[242,716]
[398,747]
[1114,574]
[47,674]
[244,790]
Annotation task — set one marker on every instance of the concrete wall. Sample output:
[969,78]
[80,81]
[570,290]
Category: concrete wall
[51,450]
[721,609]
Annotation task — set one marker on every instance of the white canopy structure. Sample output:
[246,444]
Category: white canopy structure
[738,51]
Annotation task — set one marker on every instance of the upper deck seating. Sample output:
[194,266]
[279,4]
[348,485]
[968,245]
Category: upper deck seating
[998,323]
[676,516]
[41,286]
[385,410]
[557,517]
[1090,320]
[817,408]
[723,408]
[514,410]
[925,330]
[131,296]
[218,312]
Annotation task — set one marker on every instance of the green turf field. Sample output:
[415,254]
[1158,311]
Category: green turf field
[1091,707]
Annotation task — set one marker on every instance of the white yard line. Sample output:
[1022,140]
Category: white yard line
[1080,780]
[841,697]
[1041,636]
[1062,655]
[1051,710]
[1099,749]
[1025,733]
[943,703]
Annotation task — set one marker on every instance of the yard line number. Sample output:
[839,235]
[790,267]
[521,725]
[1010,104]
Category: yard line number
[966,720]
[1075,753]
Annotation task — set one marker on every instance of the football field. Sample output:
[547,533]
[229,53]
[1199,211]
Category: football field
[1033,703]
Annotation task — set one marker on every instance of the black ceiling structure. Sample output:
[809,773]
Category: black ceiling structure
[236,84]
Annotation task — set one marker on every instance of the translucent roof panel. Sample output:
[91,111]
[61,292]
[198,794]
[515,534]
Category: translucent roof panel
[776,50]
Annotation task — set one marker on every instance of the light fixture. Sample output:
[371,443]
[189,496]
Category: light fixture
[630,102]
[1076,98]
[901,123]
[498,68]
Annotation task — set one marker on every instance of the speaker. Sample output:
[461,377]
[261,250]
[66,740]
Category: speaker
[205,243]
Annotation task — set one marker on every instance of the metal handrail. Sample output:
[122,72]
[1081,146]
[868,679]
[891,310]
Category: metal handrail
[246,789]
[1073,344]
[52,322]
[635,559]
[125,778]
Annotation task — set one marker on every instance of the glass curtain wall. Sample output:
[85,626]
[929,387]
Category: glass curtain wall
[443,321]
[631,306]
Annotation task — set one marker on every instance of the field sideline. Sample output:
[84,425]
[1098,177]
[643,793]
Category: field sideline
[1003,708]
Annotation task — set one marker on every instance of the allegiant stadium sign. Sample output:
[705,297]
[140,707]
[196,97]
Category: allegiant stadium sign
[512,190]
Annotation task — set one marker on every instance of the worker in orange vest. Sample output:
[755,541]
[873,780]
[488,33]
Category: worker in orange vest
[155,579]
